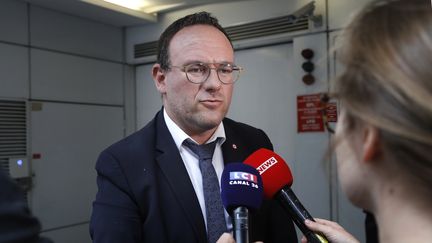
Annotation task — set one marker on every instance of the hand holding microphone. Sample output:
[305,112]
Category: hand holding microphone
[332,230]
[242,192]
[277,179]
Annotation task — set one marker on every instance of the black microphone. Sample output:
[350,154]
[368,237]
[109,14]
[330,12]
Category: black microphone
[277,179]
[242,192]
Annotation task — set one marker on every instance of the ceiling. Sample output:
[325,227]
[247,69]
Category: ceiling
[120,16]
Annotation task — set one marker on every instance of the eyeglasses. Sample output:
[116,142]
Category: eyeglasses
[198,73]
[328,112]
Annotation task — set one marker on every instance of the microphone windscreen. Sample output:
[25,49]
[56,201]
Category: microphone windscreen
[274,171]
[241,186]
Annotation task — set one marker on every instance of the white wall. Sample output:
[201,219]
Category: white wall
[341,12]
[67,33]
[14,24]
[14,70]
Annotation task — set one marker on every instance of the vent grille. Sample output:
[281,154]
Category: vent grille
[145,49]
[13,129]
[4,165]
[268,27]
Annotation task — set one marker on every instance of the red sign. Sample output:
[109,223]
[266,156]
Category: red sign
[309,117]
[331,110]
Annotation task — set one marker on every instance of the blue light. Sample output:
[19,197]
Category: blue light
[19,162]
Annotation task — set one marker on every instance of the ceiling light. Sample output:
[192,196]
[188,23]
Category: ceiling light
[146,6]
[131,4]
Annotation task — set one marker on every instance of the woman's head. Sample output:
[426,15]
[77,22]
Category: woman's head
[387,82]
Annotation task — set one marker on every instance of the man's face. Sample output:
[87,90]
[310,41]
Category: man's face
[196,108]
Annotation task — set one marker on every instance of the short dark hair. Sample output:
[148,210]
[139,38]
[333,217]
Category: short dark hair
[200,18]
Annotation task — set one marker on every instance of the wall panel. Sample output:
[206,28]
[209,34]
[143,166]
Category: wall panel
[13,21]
[62,77]
[341,12]
[66,33]
[14,71]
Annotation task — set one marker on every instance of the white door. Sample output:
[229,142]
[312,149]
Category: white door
[65,141]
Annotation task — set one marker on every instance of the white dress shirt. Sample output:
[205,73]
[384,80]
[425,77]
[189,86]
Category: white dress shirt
[190,160]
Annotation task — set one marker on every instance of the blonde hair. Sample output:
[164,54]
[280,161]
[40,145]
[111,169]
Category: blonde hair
[387,53]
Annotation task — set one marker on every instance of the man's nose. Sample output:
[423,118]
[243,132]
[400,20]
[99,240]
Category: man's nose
[213,81]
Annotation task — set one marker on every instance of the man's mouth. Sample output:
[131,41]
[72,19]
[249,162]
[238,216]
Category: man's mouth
[211,103]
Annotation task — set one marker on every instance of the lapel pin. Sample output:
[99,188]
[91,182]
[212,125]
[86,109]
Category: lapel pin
[234,146]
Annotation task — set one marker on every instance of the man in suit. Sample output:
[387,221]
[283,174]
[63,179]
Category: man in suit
[150,183]
[16,222]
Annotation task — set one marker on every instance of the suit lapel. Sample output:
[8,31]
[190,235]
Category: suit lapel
[233,148]
[172,166]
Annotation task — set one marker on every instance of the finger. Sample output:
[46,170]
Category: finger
[328,223]
[334,232]
[318,227]
[303,239]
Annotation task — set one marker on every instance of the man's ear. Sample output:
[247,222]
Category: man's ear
[371,144]
[159,78]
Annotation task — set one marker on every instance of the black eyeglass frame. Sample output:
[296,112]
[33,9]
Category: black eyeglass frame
[218,67]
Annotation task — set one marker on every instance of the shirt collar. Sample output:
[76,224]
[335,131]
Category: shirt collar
[179,135]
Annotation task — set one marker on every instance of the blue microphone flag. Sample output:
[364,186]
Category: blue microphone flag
[241,186]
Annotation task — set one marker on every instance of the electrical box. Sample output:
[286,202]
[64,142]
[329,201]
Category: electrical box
[19,168]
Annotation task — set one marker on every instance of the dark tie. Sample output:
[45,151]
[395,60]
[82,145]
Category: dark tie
[216,225]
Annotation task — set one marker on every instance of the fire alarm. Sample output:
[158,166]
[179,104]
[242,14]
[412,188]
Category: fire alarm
[308,66]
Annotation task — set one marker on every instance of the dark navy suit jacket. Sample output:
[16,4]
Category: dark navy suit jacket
[145,194]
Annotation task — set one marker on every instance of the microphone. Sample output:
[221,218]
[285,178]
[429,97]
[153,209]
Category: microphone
[277,179]
[241,191]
